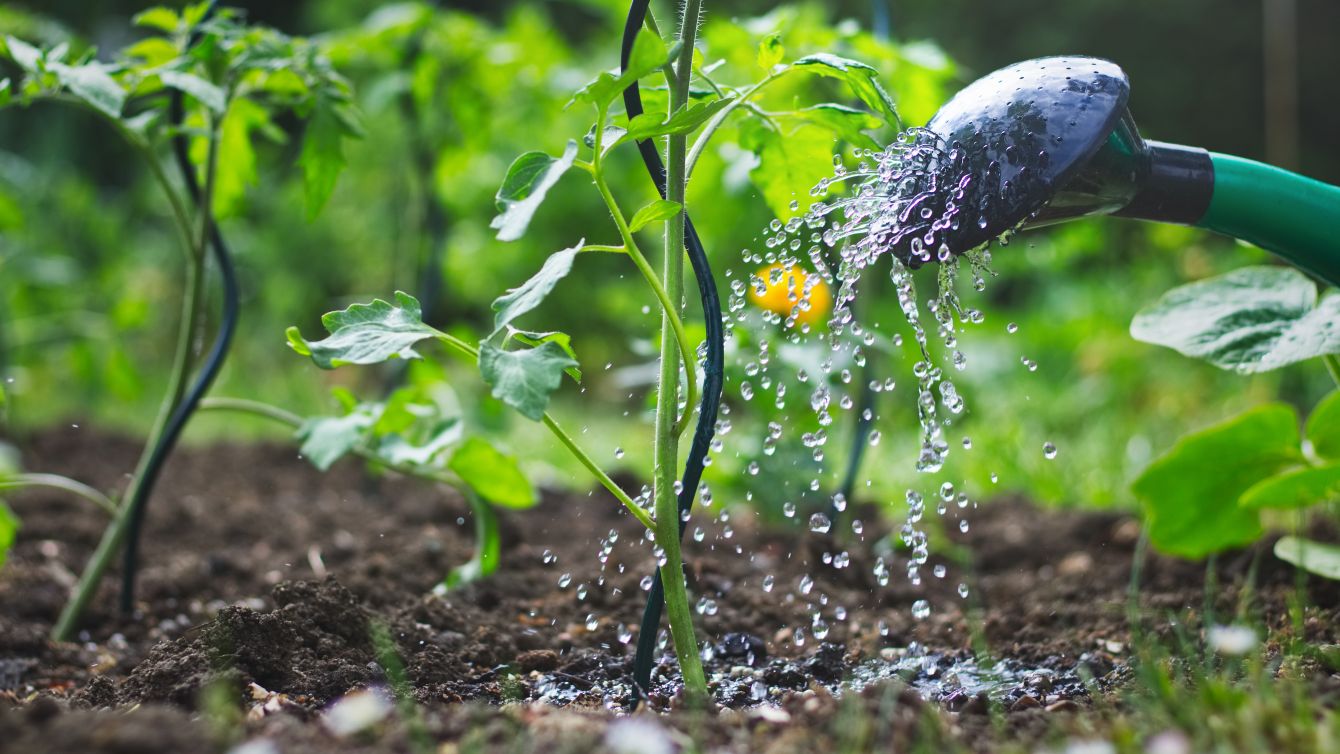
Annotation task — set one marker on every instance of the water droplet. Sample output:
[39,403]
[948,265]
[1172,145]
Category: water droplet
[820,523]
[921,609]
[1048,451]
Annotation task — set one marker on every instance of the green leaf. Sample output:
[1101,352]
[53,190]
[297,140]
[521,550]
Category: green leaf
[494,475]
[367,334]
[523,189]
[9,531]
[847,123]
[322,158]
[524,380]
[1300,488]
[685,120]
[1323,427]
[789,166]
[770,51]
[1250,320]
[648,54]
[860,78]
[208,94]
[6,94]
[235,171]
[1190,494]
[326,439]
[658,211]
[400,450]
[163,19]
[27,57]
[91,83]
[532,293]
[1314,557]
[564,341]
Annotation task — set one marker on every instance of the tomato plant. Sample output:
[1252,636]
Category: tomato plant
[204,84]
[524,367]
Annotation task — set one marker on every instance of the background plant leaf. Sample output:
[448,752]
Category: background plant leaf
[1314,557]
[1190,494]
[92,84]
[1250,320]
[1323,427]
[367,334]
[1298,488]
[494,475]
[9,531]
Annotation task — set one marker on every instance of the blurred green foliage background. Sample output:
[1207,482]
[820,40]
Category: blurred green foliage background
[88,264]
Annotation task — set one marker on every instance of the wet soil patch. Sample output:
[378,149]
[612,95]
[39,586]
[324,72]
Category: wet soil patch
[265,580]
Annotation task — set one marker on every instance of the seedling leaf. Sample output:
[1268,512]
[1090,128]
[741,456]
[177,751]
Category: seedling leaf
[532,293]
[1299,488]
[649,53]
[561,338]
[1323,427]
[848,123]
[657,211]
[524,380]
[860,78]
[494,475]
[1313,557]
[397,449]
[527,182]
[1251,320]
[326,439]
[685,120]
[1190,494]
[367,334]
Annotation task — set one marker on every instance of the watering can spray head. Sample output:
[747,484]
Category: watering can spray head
[1052,139]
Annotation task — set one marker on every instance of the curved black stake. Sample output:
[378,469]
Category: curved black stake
[860,439]
[212,365]
[712,367]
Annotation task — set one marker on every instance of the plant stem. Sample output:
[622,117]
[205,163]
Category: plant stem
[192,305]
[666,468]
[1332,366]
[58,482]
[705,135]
[669,308]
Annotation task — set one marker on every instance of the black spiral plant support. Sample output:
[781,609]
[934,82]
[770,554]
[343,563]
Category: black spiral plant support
[712,367]
[213,362]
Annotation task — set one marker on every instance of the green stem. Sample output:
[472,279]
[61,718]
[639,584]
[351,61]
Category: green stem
[669,309]
[705,135]
[666,469]
[58,482]
[488,543]
[192,306]
[1332,366]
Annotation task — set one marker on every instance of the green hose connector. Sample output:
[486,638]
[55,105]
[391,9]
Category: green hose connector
[1296,217]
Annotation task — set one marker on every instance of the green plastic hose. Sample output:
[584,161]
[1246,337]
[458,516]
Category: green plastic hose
[1296,217]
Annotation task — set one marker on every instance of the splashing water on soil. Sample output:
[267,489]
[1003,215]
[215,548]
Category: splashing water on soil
[901,204]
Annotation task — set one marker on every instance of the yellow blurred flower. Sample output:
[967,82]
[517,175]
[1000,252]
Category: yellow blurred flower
[786,291]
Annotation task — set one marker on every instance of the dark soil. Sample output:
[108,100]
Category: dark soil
[266,581]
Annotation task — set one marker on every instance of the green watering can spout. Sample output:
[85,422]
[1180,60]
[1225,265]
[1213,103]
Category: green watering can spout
[1058,134]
